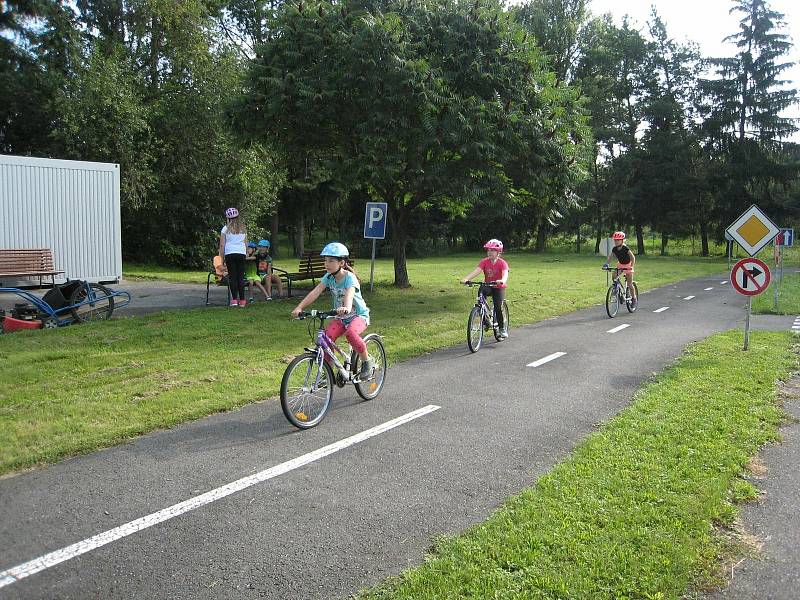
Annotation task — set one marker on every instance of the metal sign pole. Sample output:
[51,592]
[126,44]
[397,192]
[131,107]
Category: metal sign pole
[747,323]
[372,267]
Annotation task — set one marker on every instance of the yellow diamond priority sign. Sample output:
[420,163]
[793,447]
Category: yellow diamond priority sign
[753,230]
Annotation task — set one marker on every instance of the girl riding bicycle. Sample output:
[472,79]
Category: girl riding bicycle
[345,287]
[626,260]
[494,269]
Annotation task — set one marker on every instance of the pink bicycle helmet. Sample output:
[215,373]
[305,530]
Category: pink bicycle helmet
[231,213]
[494,244]
[619,235]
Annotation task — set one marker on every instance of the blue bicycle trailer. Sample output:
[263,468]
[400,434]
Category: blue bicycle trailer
[71,302]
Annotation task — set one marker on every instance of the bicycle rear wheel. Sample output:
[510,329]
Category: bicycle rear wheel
[612,301]
[475,329]
[306,391]
[630,303]
[370,388]
[96,308]
[504,309]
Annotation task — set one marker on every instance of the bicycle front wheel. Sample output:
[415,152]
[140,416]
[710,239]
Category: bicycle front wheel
[475,329]
[630,303]
[370,388]
[504,309]
[306,391]
[612,301]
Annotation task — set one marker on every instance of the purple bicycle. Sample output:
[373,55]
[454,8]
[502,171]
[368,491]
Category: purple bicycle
[307,385]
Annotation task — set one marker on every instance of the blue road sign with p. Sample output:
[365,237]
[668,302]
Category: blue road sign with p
[785,237]
[375,221]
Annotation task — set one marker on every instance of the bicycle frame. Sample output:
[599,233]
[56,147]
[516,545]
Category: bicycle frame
[483,304]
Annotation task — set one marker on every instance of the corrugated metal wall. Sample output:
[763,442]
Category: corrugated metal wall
[68,206]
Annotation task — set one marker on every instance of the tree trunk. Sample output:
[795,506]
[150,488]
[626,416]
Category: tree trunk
[541,236]
[398,219]
[301,239]
[155,51]
[274,237]
[640,248]
[704,239]
[578,237]
[664,241]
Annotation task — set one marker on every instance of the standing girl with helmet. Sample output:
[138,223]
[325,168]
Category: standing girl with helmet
[233,250]
[494,269]
[626,259]
[345,287]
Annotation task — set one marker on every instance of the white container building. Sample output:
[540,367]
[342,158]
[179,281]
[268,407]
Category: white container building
[71,207]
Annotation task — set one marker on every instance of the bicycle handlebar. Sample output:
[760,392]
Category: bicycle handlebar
[486,283]
[322,314]
[615,269]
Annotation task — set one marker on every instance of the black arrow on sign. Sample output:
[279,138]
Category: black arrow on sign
[750,274]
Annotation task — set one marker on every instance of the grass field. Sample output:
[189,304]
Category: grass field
[637,511]
[80,388]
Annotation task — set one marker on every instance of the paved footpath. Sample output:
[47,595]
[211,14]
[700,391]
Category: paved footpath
[775,520]
[240,505]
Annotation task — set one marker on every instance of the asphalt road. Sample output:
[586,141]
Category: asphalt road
[364,511]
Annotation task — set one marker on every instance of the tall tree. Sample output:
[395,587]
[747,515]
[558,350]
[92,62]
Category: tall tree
[745,110]
[414,103]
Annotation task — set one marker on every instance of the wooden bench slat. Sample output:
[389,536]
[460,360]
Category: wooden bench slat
[27,262]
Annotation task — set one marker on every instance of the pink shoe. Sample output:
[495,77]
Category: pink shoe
[242,302]
[234,303]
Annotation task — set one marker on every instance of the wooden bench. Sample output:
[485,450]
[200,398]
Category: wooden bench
[311,266]
[28,262]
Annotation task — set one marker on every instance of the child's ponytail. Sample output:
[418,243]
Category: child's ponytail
[348,267]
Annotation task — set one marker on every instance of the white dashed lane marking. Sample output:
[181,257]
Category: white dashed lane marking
[546,359]
[688,297]
[708,288]
[620,328]
[662,309]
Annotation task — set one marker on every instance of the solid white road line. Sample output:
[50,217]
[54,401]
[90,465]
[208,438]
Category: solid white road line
[709,288]
[620,328]
[546,359]
[688,297]
[14,574]
[662,309]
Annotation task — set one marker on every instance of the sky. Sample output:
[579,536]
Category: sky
[707,22]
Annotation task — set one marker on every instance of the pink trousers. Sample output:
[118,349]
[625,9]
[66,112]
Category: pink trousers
[352,332]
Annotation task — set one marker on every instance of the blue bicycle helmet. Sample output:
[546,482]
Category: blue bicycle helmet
[336,250]
[263,244]
[251,245]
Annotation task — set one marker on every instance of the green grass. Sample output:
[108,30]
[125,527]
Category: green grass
[633,513]
[84,387]
[788,296]
[158,272]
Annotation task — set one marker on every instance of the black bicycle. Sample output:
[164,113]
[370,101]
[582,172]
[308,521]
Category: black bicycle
[619,292]
[481,317]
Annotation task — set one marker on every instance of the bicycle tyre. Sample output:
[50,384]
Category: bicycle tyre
[504,309]
[296,408]
[99,310]
[612,301]
[630,304]
[475,329]
[370,389]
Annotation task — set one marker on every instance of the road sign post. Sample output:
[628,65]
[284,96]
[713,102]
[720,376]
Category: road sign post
[374,229]
[749,277]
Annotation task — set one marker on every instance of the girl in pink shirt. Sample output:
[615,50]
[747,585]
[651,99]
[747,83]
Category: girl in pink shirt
[494,269]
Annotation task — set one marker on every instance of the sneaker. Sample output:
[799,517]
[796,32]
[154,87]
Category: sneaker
[366,369]
[504,335]
[268,298]
[251,299]
[242,302]
[234,303]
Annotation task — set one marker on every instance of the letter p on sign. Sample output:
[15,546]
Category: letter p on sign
[375,221]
